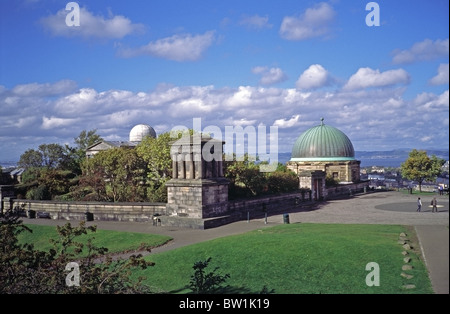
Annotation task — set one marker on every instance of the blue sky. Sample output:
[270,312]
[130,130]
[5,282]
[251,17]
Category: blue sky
[230,63]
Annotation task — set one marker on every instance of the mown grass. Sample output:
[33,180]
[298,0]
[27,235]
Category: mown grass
[115,241]
[288,259]
[296,259]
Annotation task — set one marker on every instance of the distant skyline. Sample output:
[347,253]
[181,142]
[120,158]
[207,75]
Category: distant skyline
[231,63]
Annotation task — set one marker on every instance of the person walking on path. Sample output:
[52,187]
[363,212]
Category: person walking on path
[434,204]
[419,204]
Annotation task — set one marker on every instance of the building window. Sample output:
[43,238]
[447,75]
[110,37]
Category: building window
[335,175]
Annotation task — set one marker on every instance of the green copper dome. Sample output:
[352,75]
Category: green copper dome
[323,143]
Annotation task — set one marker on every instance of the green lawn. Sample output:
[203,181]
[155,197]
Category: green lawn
[298,259]
[115,241]
[290,259]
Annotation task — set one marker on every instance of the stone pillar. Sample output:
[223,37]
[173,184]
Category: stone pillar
[174,167]
[182,174]
[190,167]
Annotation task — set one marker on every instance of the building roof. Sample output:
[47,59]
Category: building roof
[104,145]
[323,143]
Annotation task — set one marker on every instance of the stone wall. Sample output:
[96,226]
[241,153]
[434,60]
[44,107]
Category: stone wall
[347,189]
[228,212]
[100,210]
[270,204]
[242,210]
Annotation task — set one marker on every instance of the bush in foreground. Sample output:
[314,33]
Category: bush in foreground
[69,267]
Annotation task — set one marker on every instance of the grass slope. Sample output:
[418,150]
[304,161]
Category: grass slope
[296,259]
[115,241]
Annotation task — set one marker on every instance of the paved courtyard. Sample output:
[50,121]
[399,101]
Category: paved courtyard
[372,208]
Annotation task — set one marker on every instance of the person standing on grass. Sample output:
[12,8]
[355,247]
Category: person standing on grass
[419,204]
[434,204]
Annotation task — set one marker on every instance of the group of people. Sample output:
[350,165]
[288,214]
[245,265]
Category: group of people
[433,203]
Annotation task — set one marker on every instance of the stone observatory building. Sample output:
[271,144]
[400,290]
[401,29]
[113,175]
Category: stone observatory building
[137,134]
[320,152]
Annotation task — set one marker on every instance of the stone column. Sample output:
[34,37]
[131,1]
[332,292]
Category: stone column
[198,164]
[182,167]
[190,166]
[174,167]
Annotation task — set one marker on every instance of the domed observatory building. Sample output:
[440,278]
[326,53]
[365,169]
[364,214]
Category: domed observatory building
[141,131]
[137,135]
[324,151]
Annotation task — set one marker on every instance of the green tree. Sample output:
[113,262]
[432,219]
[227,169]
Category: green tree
[86,139]
[75,156]
[47,155]
[156,154]
[30,158]
[419,167]
[244,173]
[123,171]
[282,181]
[25,270]
[52,155]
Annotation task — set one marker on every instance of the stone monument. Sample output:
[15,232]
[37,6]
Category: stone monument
[198,188]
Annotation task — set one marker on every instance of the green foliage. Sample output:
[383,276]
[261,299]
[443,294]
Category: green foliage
[47,155]
[31,175]
[116,174]
[246,179]
[46,183]
[206,283]
[282,181]
[86,139]
[30,159]
[39,193]
[156,154]
[420,167]
[25,270]
[77,155]
[52,155]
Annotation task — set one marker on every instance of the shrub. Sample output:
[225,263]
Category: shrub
[202,283]
[279,182]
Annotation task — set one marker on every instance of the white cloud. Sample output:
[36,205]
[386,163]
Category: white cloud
[180,48]
[91,26]
[367,77]
[429,102]
[47,89]
[382,114]
[283,123]
[54,122]
[424,50]
[78,103]
[442,77]
[269,76]
[255,22]
[313,77]
[314,22]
